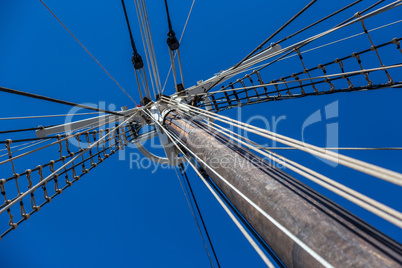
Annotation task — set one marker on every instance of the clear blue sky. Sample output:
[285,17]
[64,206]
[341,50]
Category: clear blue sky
[117,216]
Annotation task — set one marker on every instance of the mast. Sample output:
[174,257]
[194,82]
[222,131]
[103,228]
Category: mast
[321,232]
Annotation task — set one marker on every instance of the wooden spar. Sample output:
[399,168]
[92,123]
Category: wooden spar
[334,234]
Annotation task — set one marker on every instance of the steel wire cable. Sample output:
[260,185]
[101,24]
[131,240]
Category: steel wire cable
[382,173]
[23,129]
[319,21]
[144,42]
[63,188]
[184,174]
[300,44]
[44,116]
[341,148]
[45,180]
[362,12]
[33,143]
[174,47]
[129,28]
[221,202]
[266,215]
[331,15]
[343,39]
[172,63]
[341,213]
[287,56]
[373,170]
[242,219]
[65,138]
[51,137]
[83,133]
[148,49]
[47,164]
[89,53]
[152,47]
[38,149]
[305,79]
[181,37]
[250,144]
[19,145]
[136,59]
[355,197]
[148,45]
[252,99]
[40,97]
[190,205]
[231,72]
[276,32]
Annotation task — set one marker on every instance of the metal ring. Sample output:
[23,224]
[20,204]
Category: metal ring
[155,158]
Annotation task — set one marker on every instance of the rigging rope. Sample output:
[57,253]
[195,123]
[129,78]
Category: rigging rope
[231,72]
[319,258]
[373,170]
[129,30]
[33,143]
[184,174]
[190,205]
[314,196]
[365,202]
[19,145]
[24,129]
[319,21]
[87,51]
[361,166]
[285,56]
[340,40]
[172,41]
[266,215]
[145,12]
[149,53]
[137,63]
[51,176]
[275,33]
[43,116]
[342,148]
[181,37]
[346,23]
[361,12]
[43,147]
[40,97]
[174,45]
[326,78]
[224,206]
[242,219]
[35,139]
[305,79]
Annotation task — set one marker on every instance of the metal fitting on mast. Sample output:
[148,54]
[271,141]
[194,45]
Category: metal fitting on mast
[172,41]
[137,61]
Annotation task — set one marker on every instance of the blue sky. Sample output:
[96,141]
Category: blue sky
[117,216]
